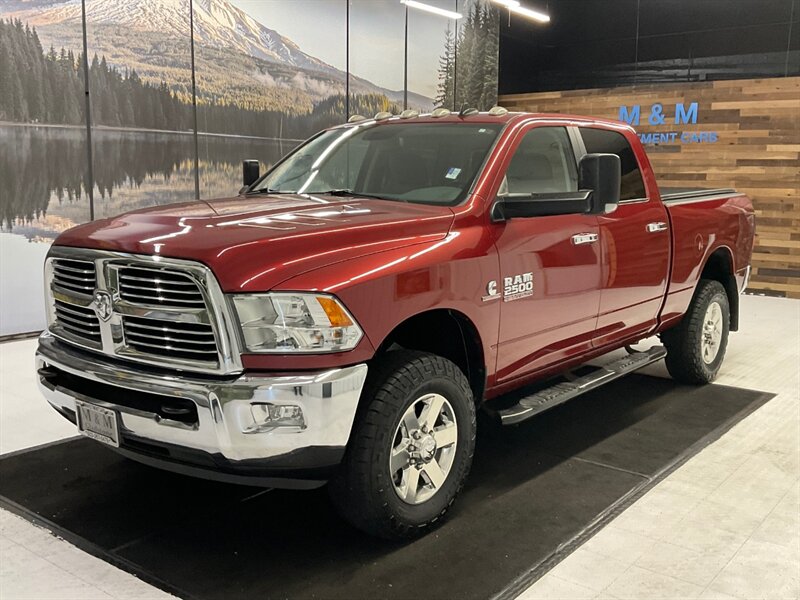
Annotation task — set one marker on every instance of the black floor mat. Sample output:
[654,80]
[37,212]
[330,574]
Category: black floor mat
[536,491]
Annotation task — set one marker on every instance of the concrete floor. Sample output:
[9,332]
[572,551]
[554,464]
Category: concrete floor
[724,525]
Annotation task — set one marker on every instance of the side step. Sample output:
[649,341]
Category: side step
[561,392]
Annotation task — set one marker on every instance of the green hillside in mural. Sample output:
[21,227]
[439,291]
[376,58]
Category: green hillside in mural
[49,89]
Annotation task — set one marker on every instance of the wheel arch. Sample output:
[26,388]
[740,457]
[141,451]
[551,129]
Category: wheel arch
[719,266]
[445,332]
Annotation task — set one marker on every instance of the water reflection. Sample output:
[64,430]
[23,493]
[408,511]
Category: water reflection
[43,173]
[43,192]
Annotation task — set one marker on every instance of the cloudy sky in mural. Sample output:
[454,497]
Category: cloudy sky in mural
[377,26]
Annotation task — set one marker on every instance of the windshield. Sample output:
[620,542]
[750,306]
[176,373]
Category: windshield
[431,163]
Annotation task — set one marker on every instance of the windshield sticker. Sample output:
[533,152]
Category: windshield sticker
[452,173]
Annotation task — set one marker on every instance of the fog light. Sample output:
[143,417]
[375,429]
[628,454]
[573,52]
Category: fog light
[268,416]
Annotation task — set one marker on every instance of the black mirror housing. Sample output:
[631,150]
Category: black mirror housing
[602,174]
[251,171]
[515,206]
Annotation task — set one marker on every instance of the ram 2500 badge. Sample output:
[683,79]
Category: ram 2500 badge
[343,317]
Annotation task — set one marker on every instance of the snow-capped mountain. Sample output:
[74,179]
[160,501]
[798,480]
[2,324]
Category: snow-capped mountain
[217,24]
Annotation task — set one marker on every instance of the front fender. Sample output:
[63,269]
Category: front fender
[383,290]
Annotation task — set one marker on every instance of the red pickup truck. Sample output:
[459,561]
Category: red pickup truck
[343,317]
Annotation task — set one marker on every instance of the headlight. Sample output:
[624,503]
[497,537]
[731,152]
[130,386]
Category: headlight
[287,322]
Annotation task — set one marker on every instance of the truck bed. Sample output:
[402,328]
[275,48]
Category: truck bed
[674,195]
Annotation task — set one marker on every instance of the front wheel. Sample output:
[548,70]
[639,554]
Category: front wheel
[411,447]
[696,346]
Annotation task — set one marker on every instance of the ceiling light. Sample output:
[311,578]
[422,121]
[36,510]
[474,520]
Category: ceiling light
[514,6]
[531,14]
[432,9]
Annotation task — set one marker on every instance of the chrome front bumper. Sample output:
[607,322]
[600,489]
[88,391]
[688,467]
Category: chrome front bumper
[220,434]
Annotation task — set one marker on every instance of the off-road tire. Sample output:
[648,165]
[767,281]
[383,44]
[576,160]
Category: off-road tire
[684,341]
[363,491]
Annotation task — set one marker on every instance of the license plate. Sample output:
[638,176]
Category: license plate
[97,423]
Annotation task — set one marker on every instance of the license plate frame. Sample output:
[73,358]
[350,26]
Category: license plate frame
[97,422]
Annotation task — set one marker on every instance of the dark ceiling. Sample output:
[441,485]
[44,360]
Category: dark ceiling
[600,43]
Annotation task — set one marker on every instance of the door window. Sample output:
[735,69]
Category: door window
[610,142]
[543,162]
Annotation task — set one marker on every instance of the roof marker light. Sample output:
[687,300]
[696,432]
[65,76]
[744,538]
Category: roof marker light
[498,111]
[356,119]
[383,115]
[440,112]
[432,9]
[409,114]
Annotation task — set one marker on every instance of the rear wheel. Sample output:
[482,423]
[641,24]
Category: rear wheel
[696,346]
[411,447]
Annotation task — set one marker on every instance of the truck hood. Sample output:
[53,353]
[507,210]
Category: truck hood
[253,243]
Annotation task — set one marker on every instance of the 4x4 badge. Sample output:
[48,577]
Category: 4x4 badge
[102,305]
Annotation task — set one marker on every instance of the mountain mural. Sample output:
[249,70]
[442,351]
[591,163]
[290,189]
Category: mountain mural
[240,61]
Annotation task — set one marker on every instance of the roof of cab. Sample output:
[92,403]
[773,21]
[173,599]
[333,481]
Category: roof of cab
[484,117]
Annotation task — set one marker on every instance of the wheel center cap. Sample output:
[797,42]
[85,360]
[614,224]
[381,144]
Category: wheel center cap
[428,445]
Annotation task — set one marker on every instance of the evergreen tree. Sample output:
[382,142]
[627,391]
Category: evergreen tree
[444,92]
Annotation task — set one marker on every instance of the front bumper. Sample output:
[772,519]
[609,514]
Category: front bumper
[210,438]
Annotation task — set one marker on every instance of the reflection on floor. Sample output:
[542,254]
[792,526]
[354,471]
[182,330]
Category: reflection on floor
[724,525]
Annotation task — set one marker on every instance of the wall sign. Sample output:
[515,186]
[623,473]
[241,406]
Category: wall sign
[658,116]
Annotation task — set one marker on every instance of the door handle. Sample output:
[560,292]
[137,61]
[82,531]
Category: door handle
[584,238]
[654,227]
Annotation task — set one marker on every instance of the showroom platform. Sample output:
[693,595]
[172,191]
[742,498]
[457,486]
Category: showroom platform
[726,524]
[538,490]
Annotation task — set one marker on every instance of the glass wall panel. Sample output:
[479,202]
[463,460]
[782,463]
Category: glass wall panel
[140,87]
[431,56]
[269,74]
[453,63]
[377,47]
[42,151]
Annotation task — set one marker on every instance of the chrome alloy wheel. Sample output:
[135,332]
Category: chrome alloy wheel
[423,448]
[712,333]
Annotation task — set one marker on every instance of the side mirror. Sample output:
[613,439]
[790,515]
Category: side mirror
[250,172]
[514,206]
[602,174]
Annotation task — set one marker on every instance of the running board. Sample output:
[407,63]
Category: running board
[561,392]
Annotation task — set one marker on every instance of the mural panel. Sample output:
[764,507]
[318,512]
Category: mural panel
[377,45]
[260,90]
[140,84]
[43,162]
[269,74]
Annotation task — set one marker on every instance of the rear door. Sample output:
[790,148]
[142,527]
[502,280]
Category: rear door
[549,265]
[635,247]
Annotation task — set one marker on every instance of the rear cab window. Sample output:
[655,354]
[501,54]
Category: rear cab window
[611,142]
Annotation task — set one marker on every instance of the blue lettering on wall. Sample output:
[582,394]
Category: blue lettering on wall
[631,117]
[684,116]
[685,113]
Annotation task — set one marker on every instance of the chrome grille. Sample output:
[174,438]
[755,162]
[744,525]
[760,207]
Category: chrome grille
[78,276]
[78,321]
[159,287]
[189,341]
[159,311]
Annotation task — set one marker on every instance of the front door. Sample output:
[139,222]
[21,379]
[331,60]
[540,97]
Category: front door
[549,266]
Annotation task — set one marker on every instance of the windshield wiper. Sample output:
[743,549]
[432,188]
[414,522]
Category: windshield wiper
[268,191]
[345,193]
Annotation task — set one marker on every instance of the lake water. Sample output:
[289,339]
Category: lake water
[43,192]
